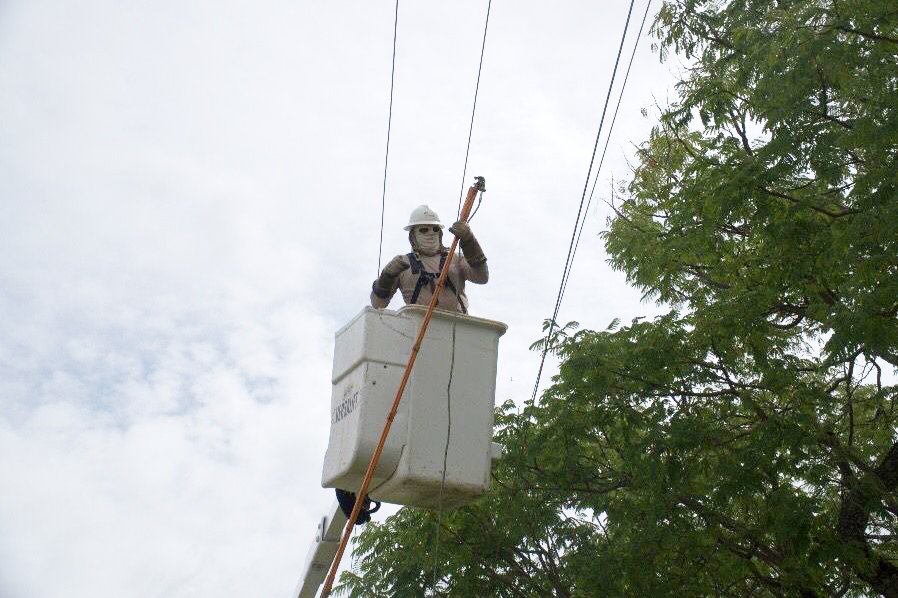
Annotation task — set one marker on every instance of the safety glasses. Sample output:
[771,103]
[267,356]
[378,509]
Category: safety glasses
[428,229]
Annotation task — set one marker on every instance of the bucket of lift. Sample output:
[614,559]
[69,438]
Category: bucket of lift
[439,450]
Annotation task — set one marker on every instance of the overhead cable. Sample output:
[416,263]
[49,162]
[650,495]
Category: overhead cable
[464,172]
[607,139]
[570,251]
[383,199]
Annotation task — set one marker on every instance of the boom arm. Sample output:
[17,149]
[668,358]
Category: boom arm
[321,552]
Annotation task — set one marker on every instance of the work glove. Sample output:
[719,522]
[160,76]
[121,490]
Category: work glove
[469,245]
[386,282]
[462,230]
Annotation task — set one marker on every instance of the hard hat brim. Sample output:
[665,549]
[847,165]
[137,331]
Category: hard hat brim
[424,223]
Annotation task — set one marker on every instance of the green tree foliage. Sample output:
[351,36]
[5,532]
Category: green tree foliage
[744,443]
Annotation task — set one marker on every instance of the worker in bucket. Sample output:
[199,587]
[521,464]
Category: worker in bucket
[415,274]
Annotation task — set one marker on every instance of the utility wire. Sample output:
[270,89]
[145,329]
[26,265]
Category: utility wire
[570,251]
[607,140]
[383,199]
[464,173]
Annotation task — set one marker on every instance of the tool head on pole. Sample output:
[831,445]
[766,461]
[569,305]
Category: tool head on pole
[480,184]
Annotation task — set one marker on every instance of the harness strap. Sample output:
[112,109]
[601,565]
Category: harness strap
[425,277]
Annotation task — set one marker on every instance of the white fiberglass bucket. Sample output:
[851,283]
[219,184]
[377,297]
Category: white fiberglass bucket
[450,396]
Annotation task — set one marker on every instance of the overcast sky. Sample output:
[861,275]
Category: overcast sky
[191,197]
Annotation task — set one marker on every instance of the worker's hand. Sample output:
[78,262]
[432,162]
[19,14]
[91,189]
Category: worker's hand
[461,230]
[385,285]
[395,267]
[469,245]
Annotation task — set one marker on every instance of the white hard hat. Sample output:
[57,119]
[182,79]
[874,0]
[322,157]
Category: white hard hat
[423,215]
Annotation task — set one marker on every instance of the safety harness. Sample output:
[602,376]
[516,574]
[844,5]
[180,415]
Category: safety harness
[425,277]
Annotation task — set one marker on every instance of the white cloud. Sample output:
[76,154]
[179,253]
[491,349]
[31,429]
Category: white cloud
[170,465]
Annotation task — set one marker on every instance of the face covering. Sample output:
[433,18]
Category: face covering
[427,243]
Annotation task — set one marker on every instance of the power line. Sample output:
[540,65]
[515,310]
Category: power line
[383,199]
[595,147]
[607,140]
[464,173]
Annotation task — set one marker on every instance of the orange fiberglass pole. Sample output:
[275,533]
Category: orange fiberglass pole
[479,185]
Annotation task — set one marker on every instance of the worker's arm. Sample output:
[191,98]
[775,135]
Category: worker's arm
[385,286]
[474,265]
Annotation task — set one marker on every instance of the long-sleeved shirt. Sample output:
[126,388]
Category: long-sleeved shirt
[459,272]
